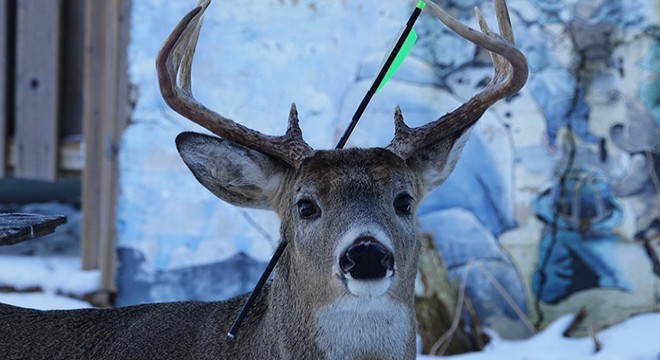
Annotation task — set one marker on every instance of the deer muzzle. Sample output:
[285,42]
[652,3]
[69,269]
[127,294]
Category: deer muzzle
[367,259]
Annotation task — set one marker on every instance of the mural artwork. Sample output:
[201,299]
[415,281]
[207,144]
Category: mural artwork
[554,205]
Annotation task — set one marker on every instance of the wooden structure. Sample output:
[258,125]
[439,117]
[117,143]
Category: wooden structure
[64,103]
[15,228]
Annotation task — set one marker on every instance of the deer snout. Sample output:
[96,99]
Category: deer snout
[367,259]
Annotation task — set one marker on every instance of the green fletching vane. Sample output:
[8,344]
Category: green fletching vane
[405,49]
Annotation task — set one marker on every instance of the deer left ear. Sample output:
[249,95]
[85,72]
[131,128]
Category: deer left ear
[435,162]
[234,173]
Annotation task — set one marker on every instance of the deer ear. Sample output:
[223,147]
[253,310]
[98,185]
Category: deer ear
[435,162]
[234,173]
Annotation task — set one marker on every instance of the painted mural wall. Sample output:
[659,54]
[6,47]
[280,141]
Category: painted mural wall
[554,205]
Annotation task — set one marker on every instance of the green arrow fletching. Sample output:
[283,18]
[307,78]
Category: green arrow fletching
[400,56]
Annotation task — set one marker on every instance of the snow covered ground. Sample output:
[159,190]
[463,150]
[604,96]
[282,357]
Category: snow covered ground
[638,338]
[51,274]
[46,282]
[42,301]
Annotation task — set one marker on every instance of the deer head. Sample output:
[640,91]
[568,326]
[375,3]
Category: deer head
[347,214]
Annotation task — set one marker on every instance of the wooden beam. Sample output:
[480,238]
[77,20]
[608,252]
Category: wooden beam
[37,88]
[93,117]
[106,113]
[118,114]
[4,36]
[110,143]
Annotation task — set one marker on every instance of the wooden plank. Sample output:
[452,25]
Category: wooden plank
[71,157]
[93,66]
[36,88]
[4,35]
[118,112]
[110,146]
[15,228]
[106,112]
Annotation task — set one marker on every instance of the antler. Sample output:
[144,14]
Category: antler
[510,76]
[175,60]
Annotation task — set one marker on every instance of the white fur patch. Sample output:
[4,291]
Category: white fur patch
[369,288]
[351,326]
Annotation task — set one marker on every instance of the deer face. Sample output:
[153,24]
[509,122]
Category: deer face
[351,220]
[348,215]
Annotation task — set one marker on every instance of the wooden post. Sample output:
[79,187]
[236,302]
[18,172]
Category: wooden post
[105,115]
[36,88]
[94,97]
[4,34]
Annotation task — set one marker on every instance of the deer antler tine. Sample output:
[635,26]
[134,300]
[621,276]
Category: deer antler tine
[187,52]
[498,61]
[504,21]
[293,128]
[398,119]
[168,60]
[401,131]
[173,65]
[482,22]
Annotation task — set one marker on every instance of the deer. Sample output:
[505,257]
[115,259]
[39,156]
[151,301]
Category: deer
[344,287]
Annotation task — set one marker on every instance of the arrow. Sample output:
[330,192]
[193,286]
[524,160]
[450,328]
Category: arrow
[398,52]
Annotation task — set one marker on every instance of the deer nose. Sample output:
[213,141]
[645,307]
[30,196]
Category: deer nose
[366,259]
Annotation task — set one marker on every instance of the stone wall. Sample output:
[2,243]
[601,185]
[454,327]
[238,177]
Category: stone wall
[554,205]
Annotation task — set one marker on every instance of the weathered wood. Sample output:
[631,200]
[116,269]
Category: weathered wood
[70,154]
[4,35]
[15,227]
[106,112]
[119,119]
[93,117]
[36,88]
[116,14]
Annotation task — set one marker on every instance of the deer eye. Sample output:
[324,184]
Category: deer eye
[308,210]
[403,204]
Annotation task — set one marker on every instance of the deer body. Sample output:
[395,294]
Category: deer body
[317,320]
[153,331]
[344,287]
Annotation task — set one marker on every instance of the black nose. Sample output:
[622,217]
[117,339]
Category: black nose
[367,259]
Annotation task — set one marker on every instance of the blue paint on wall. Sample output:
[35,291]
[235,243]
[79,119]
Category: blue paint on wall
[138,283]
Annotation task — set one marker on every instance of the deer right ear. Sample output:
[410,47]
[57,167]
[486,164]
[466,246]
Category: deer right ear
[436,162]
[234,173]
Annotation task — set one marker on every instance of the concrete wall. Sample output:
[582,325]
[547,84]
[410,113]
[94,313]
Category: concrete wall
[553,206]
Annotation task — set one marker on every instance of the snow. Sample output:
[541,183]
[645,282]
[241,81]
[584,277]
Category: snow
[42,301]
[636,338]
[51,274]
